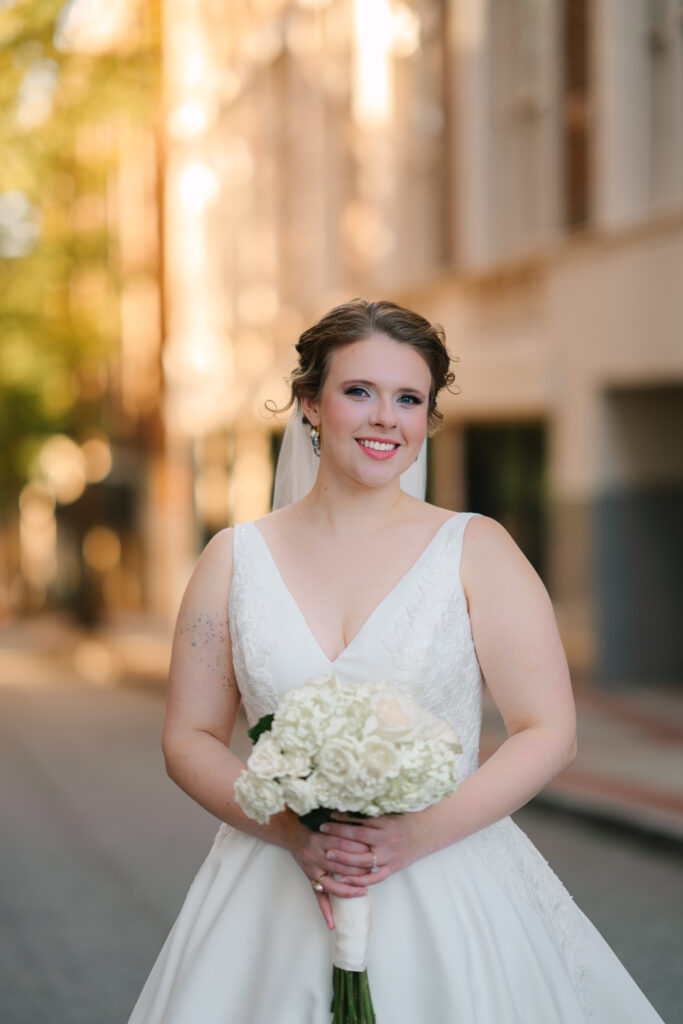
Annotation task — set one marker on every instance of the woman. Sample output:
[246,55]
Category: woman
[361,578]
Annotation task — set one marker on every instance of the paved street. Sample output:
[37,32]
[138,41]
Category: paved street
[98,849]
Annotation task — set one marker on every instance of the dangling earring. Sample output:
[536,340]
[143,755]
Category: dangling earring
[315,440]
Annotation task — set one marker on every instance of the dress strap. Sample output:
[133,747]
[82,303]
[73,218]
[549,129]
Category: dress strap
[456,538]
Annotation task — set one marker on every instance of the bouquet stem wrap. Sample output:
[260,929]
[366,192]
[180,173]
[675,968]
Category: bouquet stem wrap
[352,923]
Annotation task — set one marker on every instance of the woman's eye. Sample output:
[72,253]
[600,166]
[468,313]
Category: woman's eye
[410,400]
[357,392]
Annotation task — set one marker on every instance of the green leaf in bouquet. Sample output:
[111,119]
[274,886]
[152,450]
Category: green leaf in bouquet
[319,815]
[263,725]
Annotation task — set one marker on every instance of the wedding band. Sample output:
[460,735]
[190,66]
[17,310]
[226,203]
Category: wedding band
[317,882]
[374,863]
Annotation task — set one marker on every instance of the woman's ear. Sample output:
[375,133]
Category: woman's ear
[309,407]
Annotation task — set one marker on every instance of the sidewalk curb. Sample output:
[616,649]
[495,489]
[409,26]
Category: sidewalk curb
[633,824]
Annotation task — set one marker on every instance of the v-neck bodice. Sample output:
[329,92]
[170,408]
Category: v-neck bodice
[417,637]
[367,622]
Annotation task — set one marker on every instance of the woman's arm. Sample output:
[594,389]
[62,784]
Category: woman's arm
[201,709]
[203,698]
[524,665]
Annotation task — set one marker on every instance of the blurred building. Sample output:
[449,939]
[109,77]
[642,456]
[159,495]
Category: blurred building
[510,168]
[80,316]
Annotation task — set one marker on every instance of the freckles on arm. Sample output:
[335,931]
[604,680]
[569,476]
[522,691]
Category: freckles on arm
[202,692]
[208,637]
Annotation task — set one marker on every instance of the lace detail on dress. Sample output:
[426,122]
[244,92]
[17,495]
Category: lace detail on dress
[252,644]
[223,836]
[525,874]
[431,644]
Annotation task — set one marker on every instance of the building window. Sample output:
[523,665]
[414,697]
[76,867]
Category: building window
[505,478]
[576,85]
[525,117]
[664,38]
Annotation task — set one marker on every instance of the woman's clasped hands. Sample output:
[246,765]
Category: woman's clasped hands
[348,854]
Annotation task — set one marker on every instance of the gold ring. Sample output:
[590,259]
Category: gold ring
[317,882]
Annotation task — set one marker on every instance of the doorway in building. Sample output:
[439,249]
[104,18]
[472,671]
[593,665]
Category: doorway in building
[505,478]
[639,538]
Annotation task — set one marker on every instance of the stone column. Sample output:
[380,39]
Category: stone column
[620,150]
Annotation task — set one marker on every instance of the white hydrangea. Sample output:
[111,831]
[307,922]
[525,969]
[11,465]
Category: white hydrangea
[368,748]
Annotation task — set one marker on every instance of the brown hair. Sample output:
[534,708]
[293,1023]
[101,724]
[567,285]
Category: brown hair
[357,320]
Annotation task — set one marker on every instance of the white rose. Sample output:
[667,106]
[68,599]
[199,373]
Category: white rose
[266,759]
[352,804]
[325,792]
[380,758]
[296,763]
[339,759]
[258,798]
[398,716]
[299,794]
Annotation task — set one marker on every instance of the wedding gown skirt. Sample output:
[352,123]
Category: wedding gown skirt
[481,932]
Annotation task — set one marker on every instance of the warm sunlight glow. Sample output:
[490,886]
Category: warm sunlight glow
[101,548]
[197,185]
[64,467]
[97,452]
[37,534]
[189,120]
[372,77]
[94,26]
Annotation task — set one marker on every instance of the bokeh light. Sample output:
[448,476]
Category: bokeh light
[64,467]
[101,548]
[98,459]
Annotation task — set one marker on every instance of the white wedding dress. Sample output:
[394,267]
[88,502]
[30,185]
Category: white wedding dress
[481,932]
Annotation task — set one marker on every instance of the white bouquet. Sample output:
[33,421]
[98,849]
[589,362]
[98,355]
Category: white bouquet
[367,749]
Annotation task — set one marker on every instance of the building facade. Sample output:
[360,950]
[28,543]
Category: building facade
[512,169]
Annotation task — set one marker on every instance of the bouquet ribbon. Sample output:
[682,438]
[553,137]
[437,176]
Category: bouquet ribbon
[352,921]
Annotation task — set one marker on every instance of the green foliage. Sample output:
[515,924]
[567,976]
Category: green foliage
[319,815]
[59,295]
[263,725]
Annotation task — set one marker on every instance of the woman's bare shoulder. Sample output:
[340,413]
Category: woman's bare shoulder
[220,545]
[490,554]
[215,561]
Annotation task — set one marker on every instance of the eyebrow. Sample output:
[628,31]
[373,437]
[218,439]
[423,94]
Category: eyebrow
[371,384]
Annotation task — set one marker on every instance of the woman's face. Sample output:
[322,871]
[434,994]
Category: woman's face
[373,408]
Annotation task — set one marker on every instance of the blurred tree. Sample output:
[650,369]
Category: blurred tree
[64,112]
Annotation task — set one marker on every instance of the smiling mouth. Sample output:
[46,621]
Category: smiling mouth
[378,446]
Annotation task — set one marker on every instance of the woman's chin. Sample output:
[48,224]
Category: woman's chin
[379,473]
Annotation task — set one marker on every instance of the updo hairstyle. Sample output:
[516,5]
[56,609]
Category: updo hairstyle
[356,320]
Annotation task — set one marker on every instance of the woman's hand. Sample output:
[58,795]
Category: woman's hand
[389,843]
[311,852]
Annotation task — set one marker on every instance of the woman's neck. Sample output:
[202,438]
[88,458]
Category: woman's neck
[340,505]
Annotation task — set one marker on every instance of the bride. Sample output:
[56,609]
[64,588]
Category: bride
[359,577]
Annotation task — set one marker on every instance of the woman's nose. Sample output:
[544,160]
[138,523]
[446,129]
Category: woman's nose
[383,413]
